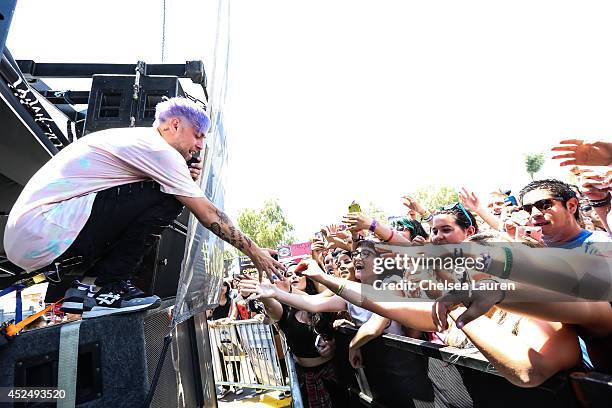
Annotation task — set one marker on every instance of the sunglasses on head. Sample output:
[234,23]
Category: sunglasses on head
[542,205]
[460,206]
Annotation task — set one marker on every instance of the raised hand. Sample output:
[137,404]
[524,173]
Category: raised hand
[469,199]
[412,204]
[584,154]
[331,230]
[357,221]
[317,245]
[595,184]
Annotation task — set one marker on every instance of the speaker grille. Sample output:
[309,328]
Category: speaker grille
[155,328]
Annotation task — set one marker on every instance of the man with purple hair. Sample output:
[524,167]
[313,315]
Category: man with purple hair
[91,207]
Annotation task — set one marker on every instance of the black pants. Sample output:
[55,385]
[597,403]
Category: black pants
[111,245]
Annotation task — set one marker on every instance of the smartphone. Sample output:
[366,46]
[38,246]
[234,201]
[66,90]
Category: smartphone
[318,235]
[354,207]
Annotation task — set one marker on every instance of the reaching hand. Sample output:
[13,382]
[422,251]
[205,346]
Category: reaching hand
[584,154]
[283,284]
[412,204]
[252,289]
[355,358]
[313,271]
[478,304]
[469,199]
[264,263]
[357,221]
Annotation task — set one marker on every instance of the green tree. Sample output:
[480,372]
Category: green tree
[267,227]
[371,210]
[230,252]
[534,163]
[432,198]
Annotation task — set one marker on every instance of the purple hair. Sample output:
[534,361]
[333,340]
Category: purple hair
[184,108]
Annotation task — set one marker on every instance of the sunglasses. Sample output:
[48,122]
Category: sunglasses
[541,205]
[459,206]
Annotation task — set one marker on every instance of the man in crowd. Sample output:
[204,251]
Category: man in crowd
[554,206]
[94,203]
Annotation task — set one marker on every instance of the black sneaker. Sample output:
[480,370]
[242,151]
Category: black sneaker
[78,295]
[117,298]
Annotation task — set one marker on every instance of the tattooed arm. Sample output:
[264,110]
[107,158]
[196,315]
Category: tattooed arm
[219,224]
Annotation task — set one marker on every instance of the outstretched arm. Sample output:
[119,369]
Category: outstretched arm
[413,314]
[220,225]
[540,350]
[313,304]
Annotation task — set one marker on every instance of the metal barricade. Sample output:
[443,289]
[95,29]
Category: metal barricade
[244,354]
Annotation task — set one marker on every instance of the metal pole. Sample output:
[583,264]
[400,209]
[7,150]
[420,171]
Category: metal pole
[296,396]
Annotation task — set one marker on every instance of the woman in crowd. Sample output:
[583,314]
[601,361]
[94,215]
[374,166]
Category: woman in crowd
[225,307]
[316,373]
[412,383]
[543,348]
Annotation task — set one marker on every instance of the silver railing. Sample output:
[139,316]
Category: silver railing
[245,354]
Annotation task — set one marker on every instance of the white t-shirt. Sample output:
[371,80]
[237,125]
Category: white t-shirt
[56,202]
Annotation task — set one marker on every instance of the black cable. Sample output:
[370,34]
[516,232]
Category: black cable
[160,364]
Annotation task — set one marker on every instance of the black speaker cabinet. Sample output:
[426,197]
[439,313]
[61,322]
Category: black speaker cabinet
[161,267]
[111,100]
[117,359]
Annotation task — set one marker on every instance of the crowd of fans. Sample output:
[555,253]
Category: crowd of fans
[551,239]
